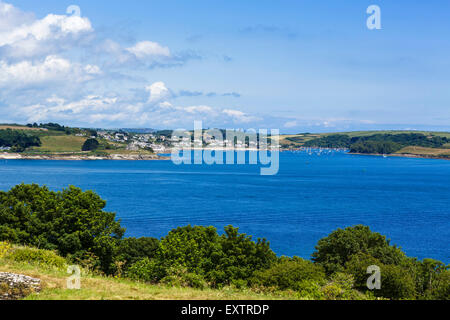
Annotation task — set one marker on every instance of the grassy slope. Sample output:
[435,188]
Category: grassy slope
[103,288]
[60,143]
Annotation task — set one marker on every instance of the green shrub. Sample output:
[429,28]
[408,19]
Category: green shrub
[146,270]
[219,259]
[70,221]
[90,145]
[310,290]
[289,273]
[5,247]
[340,287]
[335,250]
[432,279]
[131,250]
[397,281]
[179,277]
[43,258]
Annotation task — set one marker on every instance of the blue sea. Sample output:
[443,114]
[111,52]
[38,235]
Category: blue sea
[406,199]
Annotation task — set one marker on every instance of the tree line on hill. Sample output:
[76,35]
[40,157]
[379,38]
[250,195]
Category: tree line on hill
[377,143]
[74,223]
[18,141]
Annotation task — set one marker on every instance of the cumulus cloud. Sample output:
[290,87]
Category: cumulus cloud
[156,111]
[149,49]
[239,116]
[24,37]
[158,92]
[199,109]
[51,69]
[144,53]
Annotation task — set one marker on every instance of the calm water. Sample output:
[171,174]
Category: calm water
[406,199]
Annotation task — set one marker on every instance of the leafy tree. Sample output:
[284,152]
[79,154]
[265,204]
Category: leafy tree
[376,147]
[193,248]
[241,257]
[433,279]
[90,145]
[333,251]
[331,141]
[131,250]
[200,250]
[17,140]
[70,221]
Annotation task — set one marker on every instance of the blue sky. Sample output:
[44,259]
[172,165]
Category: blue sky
[293,65]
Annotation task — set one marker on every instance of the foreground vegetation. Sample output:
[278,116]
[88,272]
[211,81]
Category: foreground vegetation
[71,227]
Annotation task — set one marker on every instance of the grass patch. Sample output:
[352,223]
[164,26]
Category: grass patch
[421,151]
[60,143]
[106,288]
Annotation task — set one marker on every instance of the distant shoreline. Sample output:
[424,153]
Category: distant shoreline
[403,155]
[146,157]
[114,157]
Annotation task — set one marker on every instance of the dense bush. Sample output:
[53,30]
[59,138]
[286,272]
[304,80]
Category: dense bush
[70,221]
[220,260]
[5,247]
[240,257]
[179,277]
[289,273]
[335,250]
[146,270]
[131,250]
[90,145]
[43,258]
[341,287]
[397,281]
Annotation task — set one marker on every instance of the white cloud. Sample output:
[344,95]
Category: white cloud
[149,49]
[51,69]
[155,111]
[24,37]
[58,109]
[198,109]
[239,116]
[158,92]
[10,15]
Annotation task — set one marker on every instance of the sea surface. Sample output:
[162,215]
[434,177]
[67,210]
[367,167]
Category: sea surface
[406,199]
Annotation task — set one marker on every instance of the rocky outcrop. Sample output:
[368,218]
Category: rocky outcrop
[17,286]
